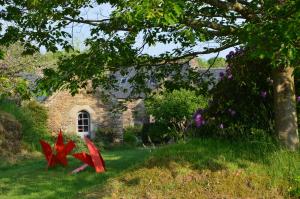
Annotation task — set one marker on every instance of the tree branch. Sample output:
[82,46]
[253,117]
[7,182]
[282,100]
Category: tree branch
[187,57]
[237,6]
[87,21]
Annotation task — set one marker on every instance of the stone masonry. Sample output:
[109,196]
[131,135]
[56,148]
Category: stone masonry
[63,110]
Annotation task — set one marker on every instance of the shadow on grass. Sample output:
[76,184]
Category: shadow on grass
[220,154]
[30,179]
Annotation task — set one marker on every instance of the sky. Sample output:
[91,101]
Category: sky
[80,32]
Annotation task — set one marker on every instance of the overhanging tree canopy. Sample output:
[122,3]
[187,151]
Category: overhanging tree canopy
[270,27]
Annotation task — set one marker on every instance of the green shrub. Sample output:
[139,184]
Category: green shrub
[173,111]
[104,138]
[130,139]
[157,133]
[38,113]
[80,145]
[106,135]
[176,108]
[33,118]
[136,130]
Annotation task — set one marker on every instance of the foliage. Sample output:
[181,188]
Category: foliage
[136,129]
[131,136]
[202,62]
[38,112]
[33,118]
[112,41]
[156,133]
[242,100]
[117,43]
[175,108]
[13,64]
[14,87]
[80,145]
[10,135]
[130,139]
[104,137]
[18,72]
[218,62]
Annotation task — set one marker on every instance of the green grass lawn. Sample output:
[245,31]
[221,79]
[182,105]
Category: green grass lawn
[29,178]
[202,168]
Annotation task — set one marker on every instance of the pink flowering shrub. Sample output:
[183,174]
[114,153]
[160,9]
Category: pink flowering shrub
[242,100]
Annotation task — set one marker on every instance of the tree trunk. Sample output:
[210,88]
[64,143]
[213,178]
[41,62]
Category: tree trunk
[286,126]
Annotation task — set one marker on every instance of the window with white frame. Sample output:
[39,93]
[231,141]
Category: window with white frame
[83,125]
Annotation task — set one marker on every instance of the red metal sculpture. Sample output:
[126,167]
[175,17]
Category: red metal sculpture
[61,149]
[94,159]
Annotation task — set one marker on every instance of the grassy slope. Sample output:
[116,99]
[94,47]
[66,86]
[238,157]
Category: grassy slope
[32,129]
[198,169]
[208,169]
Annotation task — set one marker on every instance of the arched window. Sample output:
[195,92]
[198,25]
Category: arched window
[83,124]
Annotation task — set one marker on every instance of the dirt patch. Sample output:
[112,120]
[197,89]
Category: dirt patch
[10,134]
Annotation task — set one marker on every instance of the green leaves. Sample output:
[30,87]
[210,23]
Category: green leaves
[276,36]
[118,41]
[175,108]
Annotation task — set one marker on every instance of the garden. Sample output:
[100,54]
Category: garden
[218,80]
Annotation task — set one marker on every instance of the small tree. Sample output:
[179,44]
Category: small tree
[13,67]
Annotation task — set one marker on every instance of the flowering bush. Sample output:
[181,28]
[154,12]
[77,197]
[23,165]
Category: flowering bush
[243,99]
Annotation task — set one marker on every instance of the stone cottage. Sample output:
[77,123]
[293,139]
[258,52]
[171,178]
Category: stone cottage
[86,113]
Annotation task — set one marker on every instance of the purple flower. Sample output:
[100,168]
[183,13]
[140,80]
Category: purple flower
[228,73]
[263,94]
[221,74]
[221,126]
[230,55]
[298,99]
[198,118]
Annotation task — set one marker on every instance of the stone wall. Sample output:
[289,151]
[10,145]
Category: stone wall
[135,113]
[63,111]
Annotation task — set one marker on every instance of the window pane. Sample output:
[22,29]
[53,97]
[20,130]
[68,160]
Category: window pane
[83,121]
